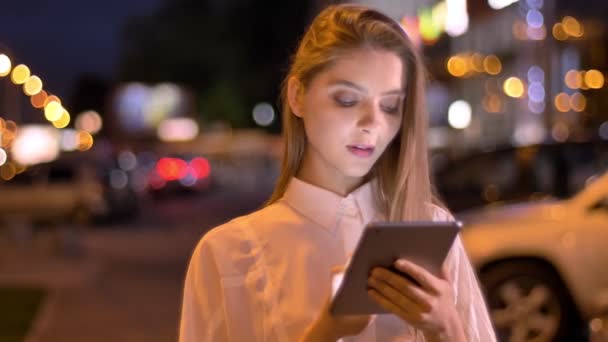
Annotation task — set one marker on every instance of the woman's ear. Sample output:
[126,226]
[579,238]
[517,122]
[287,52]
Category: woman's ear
[294,96]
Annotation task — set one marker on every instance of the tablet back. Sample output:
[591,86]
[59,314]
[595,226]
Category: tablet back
[424,243]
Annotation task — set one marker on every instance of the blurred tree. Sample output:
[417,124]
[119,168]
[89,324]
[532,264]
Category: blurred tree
[232,53]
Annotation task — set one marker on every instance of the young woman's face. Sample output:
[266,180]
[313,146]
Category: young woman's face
[351,111]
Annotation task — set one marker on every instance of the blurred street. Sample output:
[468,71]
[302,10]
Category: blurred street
[126,284]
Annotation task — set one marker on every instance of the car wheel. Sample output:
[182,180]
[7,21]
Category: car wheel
[529,302]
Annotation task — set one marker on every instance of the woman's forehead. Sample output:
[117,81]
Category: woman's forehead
[371,70]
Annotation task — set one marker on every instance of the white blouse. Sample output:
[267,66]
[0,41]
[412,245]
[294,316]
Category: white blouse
[265,276]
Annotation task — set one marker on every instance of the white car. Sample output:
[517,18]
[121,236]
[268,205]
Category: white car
[544,266]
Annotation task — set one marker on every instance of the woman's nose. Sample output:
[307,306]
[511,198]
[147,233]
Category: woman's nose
[369,117]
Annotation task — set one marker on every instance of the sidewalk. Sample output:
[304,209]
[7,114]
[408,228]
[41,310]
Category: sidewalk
[126,285]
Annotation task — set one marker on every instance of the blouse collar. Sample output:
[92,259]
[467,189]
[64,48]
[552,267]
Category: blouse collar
[325,207]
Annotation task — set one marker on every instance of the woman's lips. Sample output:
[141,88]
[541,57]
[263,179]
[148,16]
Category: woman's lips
[363,151]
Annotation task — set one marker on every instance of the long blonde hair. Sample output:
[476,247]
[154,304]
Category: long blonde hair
[403,189]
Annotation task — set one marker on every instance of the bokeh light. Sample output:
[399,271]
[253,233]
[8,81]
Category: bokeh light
[476,63]
[263,114]
[127,160]
[492,103]
[560,132]
[20,74]
[7,171]
[51,98]
[459,114]
[562,102]
[53,111]
[513,87]
[63,121]
[32,86]
[3,156]
[536,107]
[572,27]
[578,102]
[534,19]
[89,121]
[5,65]
[492,65]
[594,79]
[38,100]
[536,74]
[69,139]
[85,141]
[558,32]
[536,92]
[457,66]
[573,79]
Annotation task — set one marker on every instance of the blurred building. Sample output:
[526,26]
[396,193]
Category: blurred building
[509,72]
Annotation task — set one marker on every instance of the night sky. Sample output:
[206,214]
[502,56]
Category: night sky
[59,40]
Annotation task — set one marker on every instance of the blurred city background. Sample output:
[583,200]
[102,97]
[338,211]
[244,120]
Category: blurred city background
[129,129]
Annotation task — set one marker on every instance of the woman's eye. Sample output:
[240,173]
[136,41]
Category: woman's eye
[345,101]
[391,106]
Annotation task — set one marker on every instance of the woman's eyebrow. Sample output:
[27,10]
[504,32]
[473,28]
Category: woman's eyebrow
[362,89]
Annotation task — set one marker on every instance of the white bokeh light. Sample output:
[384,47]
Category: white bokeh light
[459,114]
[263,114]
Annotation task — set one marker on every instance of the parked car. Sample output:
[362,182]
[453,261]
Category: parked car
[519,174]
[543,266]
[52,193]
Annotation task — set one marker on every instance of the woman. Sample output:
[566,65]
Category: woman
[355,134]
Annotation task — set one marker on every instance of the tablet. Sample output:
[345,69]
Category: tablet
[424,243]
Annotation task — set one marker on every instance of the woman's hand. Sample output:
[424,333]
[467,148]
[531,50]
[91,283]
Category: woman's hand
[428,305]
[328,327]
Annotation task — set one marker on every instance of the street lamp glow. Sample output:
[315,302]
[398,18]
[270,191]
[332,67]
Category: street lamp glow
[63,121]
[457,66]
[85,141]
[53,111]
[20,74]
[457,17]
[492,65]
[459,114]
[500,4]
[39,99]
[513,87]
[594,79]
[5,65]
[3,156]
[89,121]
[32,86]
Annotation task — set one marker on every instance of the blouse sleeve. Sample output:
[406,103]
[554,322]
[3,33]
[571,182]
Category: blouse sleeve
[469,299]
[202,315]
[470,302]
[224,291]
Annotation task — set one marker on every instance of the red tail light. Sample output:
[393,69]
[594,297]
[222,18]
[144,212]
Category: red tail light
[172,168]
[200,167]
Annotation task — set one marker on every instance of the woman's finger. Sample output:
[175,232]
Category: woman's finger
[392,307]
[420,274]
[403,285]
[396,297]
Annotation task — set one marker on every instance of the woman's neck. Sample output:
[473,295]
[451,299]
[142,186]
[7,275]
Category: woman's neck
[337,184]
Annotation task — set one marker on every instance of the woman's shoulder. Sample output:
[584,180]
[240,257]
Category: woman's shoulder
[244,226]
[234,245]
